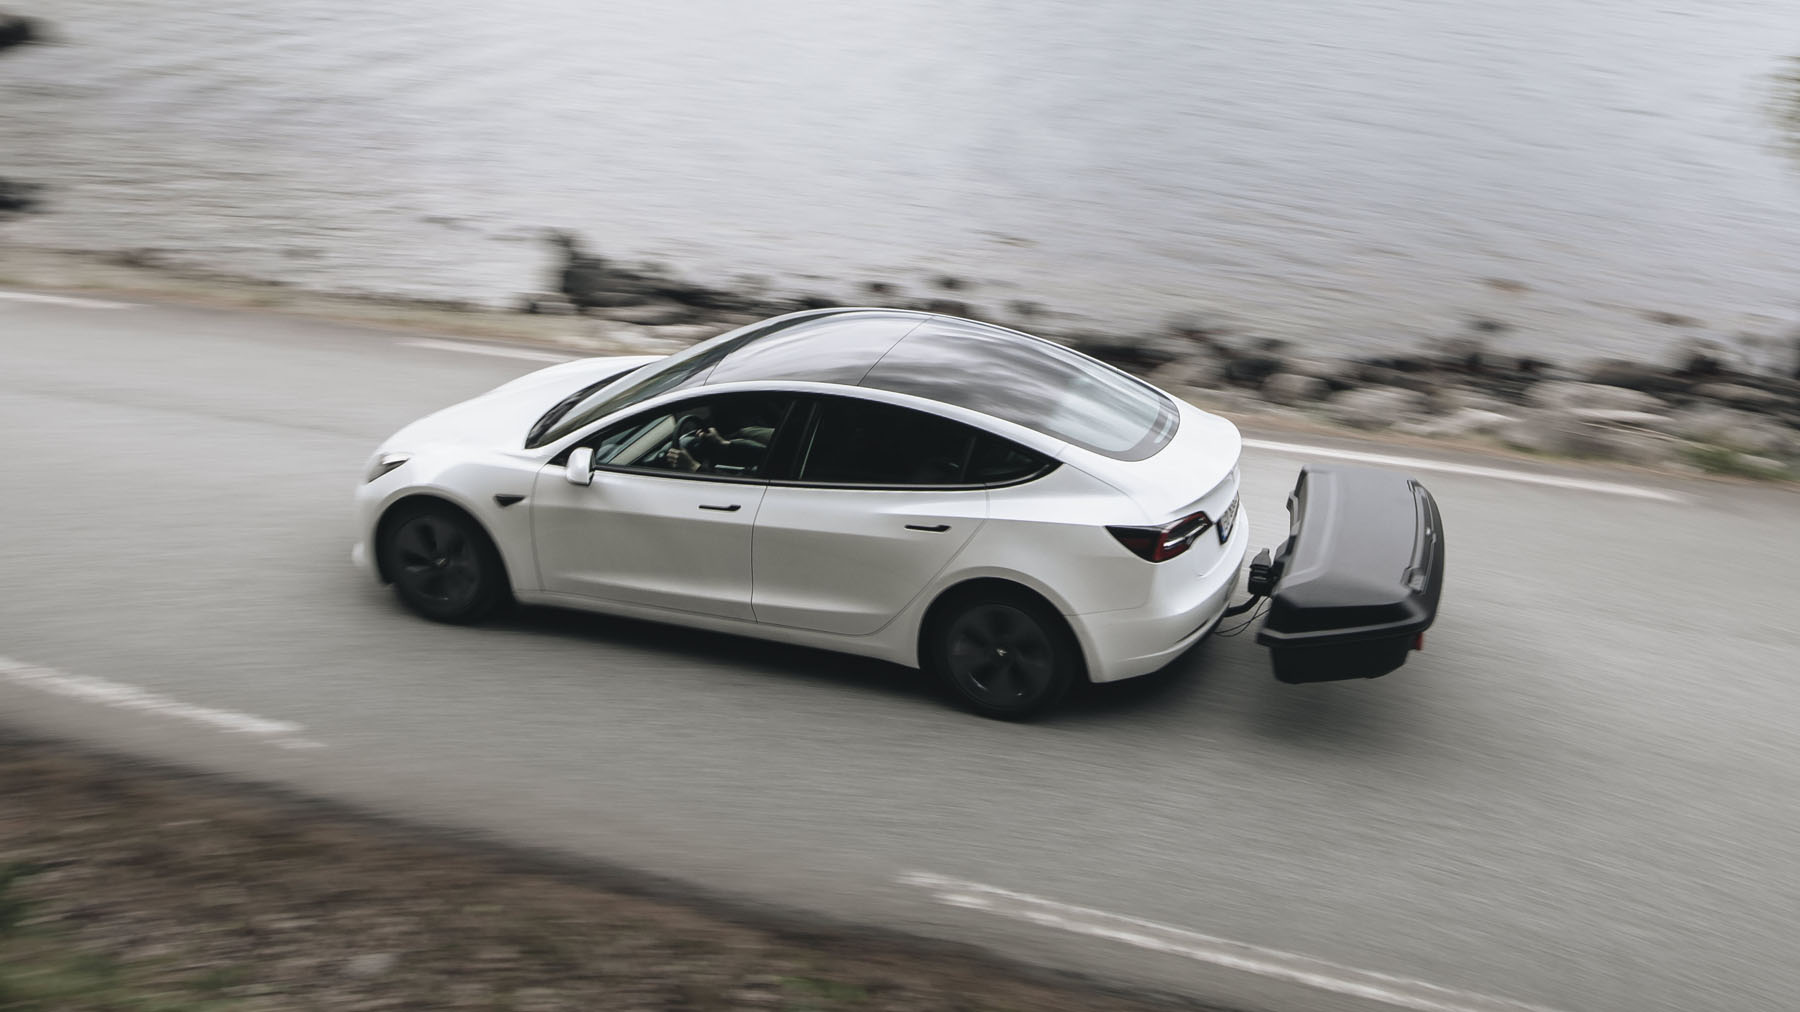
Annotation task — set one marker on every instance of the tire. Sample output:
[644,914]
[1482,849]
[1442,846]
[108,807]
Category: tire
[1002,654]
[443,565]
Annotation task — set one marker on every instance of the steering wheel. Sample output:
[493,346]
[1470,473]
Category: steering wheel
[687,431]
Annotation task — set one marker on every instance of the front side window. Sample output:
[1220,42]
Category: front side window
[726,436]
[858,442]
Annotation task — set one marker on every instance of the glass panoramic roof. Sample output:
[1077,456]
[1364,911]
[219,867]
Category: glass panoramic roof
[1035,383]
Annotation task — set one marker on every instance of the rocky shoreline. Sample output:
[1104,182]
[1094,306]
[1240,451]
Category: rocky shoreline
[17,30]
[1709,408]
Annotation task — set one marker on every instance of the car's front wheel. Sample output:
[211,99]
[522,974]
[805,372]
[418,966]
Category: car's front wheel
[1004,655]
[442,564]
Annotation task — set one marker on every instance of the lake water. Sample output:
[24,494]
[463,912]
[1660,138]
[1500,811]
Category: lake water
[1357,175]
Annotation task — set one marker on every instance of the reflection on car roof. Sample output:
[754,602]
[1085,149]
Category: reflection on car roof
[1000,372]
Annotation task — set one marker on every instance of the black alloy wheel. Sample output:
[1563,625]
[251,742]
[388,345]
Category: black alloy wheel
[1006,657]
[443,566]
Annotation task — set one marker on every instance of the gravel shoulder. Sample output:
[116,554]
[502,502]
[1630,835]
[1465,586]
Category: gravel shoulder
[124,886]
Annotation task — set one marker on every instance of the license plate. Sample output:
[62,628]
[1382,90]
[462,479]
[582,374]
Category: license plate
[1227,521]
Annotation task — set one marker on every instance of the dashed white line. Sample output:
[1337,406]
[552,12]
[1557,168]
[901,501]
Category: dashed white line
[1398,992]
[280,733]
[1472,470]
[528,354]
[64,300]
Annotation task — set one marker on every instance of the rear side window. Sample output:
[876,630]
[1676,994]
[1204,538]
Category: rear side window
[995,461]
[868,443]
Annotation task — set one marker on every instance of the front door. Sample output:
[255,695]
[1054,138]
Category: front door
[667,521]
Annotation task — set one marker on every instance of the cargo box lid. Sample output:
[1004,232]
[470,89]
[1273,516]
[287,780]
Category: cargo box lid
[1363,559]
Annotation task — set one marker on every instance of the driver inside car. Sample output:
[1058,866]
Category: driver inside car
[741,452]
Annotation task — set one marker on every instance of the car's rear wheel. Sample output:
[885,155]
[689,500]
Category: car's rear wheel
[1004,655]
[442,564]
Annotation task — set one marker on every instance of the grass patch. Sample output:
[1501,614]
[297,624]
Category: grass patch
[814,990]
[216,980]
[44,978]
[39,974]
[1719,460]
[14,907]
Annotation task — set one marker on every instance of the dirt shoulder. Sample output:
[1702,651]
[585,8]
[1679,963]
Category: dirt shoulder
[126,887]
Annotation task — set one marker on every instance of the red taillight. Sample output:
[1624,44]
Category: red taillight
[1160,544]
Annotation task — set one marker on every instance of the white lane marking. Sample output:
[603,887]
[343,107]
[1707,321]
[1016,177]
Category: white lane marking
[1399,992]
[281,733]
[490,349]
[1473,470]
[65,300]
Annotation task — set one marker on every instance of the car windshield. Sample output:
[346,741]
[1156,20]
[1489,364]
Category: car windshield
[542,425]
[1033,382]
[684,369]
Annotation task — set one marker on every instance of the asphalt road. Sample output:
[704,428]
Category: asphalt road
[1580,797]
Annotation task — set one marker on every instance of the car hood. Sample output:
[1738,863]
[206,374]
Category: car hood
[501,417]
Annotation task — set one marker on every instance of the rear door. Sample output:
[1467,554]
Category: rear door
[880,502]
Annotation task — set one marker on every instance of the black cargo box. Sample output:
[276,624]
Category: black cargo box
[1357,581]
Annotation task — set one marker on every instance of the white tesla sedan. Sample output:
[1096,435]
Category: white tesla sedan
[991,507]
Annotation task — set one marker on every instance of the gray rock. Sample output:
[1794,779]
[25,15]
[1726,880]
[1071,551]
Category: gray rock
[1758,437]
[1142,354]
[1461,424]
[601,298]
[16,30]
[1451,400]
[1191,371]
[651,314]
[1736,430]
[1564,395]
[1292,388]
[1374,408]
[370,964]
[1378,375]
[1740,396]
[1635,375]
[1699,357]
[1621,417]
[1251,370]
[548,305]
[1563,434]
[17,196]
[1339,375]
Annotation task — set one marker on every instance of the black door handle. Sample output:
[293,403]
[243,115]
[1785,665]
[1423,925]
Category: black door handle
[933,528]
[733,508]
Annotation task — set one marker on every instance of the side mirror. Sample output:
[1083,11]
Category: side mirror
[580,469]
